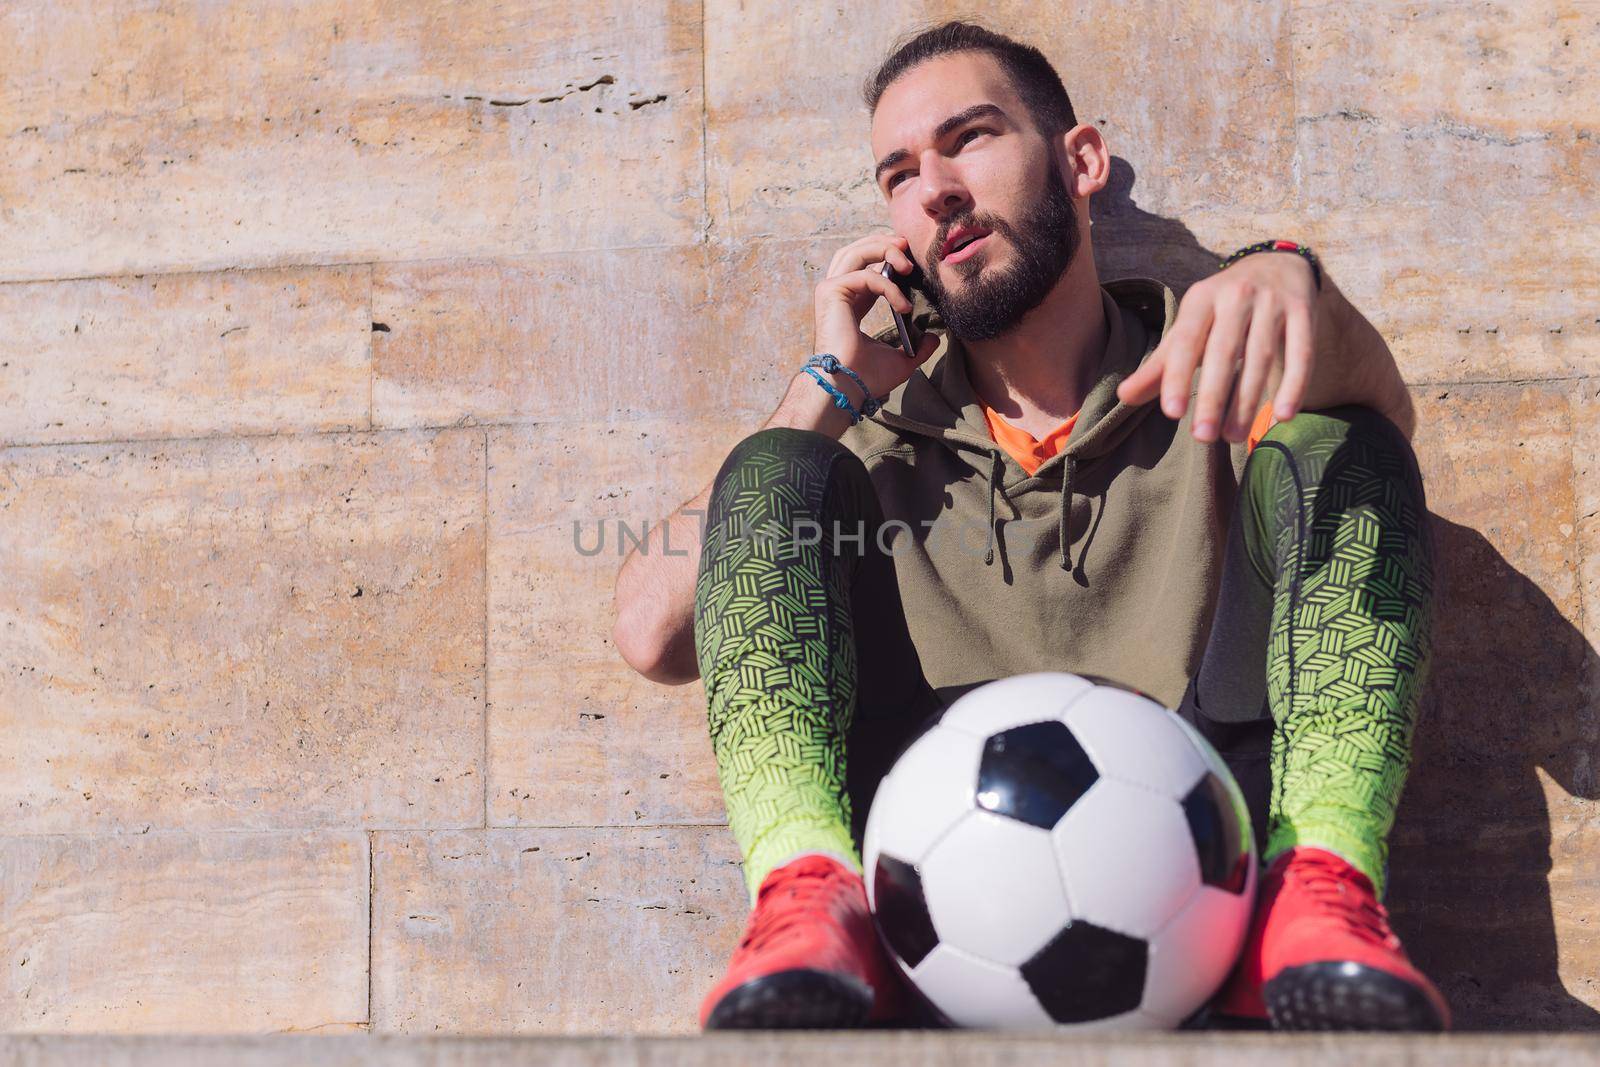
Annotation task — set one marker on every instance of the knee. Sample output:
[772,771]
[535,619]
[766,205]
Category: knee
[794,455]
[784,442]
[1314,440]
[1341,458]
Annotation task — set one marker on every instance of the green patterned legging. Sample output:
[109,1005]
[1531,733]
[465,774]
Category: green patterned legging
[1309,684]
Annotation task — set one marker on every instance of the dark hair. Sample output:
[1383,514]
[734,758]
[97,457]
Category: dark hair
[1031,74]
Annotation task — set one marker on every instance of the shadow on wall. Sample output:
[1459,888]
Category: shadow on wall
[1471,862]
[1131,241]
[1508,697]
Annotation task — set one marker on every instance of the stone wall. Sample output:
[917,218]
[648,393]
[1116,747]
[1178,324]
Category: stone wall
[322,322]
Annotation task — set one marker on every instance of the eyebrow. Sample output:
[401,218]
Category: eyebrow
[960,118]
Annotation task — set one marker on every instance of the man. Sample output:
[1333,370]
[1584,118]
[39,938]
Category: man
[1267,572]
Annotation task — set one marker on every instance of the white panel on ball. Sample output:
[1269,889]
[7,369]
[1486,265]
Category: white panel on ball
[1127,857]
[1137,740]
[994,889]
[1212,758]
[1219,767]
[929,790]
[974,992]
[1014,701]
[1192,955]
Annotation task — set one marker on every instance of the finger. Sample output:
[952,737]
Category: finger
[1262,351]
[926,347]
[869,250]
[1297,357]
[1141,386]
[1184,347]
[862,281]
[896,251]
[1223,347]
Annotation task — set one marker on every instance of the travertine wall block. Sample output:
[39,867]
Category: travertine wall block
[163,932]
[205,136]
[251,632]
[551,931]
[575,737]
[185,355]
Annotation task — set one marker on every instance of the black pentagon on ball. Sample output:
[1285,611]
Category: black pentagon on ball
[902,910]
[1087,972]
[1218,830]
[1034,773]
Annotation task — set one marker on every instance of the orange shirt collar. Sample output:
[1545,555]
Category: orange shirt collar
[1021,445]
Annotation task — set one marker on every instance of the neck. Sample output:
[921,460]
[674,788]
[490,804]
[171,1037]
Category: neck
[1038,374]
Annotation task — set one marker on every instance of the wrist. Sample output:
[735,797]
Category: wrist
[829,371]
[1293,248]
[807,407]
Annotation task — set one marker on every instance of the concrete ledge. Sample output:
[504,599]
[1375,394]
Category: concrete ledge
[921,1048]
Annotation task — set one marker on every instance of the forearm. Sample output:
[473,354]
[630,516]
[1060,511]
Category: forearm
[654,598]
[1354,365]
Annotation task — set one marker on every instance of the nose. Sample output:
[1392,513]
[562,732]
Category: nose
[939,187]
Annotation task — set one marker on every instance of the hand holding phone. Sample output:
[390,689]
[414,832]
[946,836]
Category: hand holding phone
[910,336]
[855,281]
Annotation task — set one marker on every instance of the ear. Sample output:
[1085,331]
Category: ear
[1085,160]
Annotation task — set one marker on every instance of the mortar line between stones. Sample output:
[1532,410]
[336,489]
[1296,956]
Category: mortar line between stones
[267,435]
[1295,169]
[371,833]
[372,357]
[335,264]
[372,847]
[705,136]
[1464,382]
[484,767]
[508,255]
[612,419]
[1580,549]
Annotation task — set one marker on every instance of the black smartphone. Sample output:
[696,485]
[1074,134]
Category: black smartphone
[910,336]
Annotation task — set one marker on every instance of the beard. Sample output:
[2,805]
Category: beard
[991,301]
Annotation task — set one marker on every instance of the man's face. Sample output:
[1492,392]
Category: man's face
[989,171]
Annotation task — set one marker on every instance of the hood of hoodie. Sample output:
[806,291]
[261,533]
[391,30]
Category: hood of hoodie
[938,401]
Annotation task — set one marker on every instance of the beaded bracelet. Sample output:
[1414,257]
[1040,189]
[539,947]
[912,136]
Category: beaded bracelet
[1279,246]
[830,363]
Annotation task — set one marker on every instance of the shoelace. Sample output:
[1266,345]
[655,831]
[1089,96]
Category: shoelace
[806,892]
[1365,917]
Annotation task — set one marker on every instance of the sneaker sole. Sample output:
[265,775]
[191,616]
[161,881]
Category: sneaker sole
[1348,996]
[794,1000]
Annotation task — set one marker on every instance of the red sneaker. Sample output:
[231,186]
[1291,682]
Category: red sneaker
[1321,956]
[809,959]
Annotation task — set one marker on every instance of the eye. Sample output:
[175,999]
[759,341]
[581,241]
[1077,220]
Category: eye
[894,179]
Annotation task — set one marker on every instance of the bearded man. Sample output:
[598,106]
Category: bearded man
[1214,502]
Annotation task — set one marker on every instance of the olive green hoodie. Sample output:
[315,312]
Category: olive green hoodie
[1105,561]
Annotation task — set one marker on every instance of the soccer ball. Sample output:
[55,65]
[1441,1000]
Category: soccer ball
[1056,852]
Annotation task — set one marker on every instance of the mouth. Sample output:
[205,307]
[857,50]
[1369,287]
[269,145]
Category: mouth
[964,244]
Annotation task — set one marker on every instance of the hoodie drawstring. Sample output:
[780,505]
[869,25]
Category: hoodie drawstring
[995,471]
[1068,470]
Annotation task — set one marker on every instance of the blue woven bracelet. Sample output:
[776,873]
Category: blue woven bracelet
[839,399]
[830,363]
